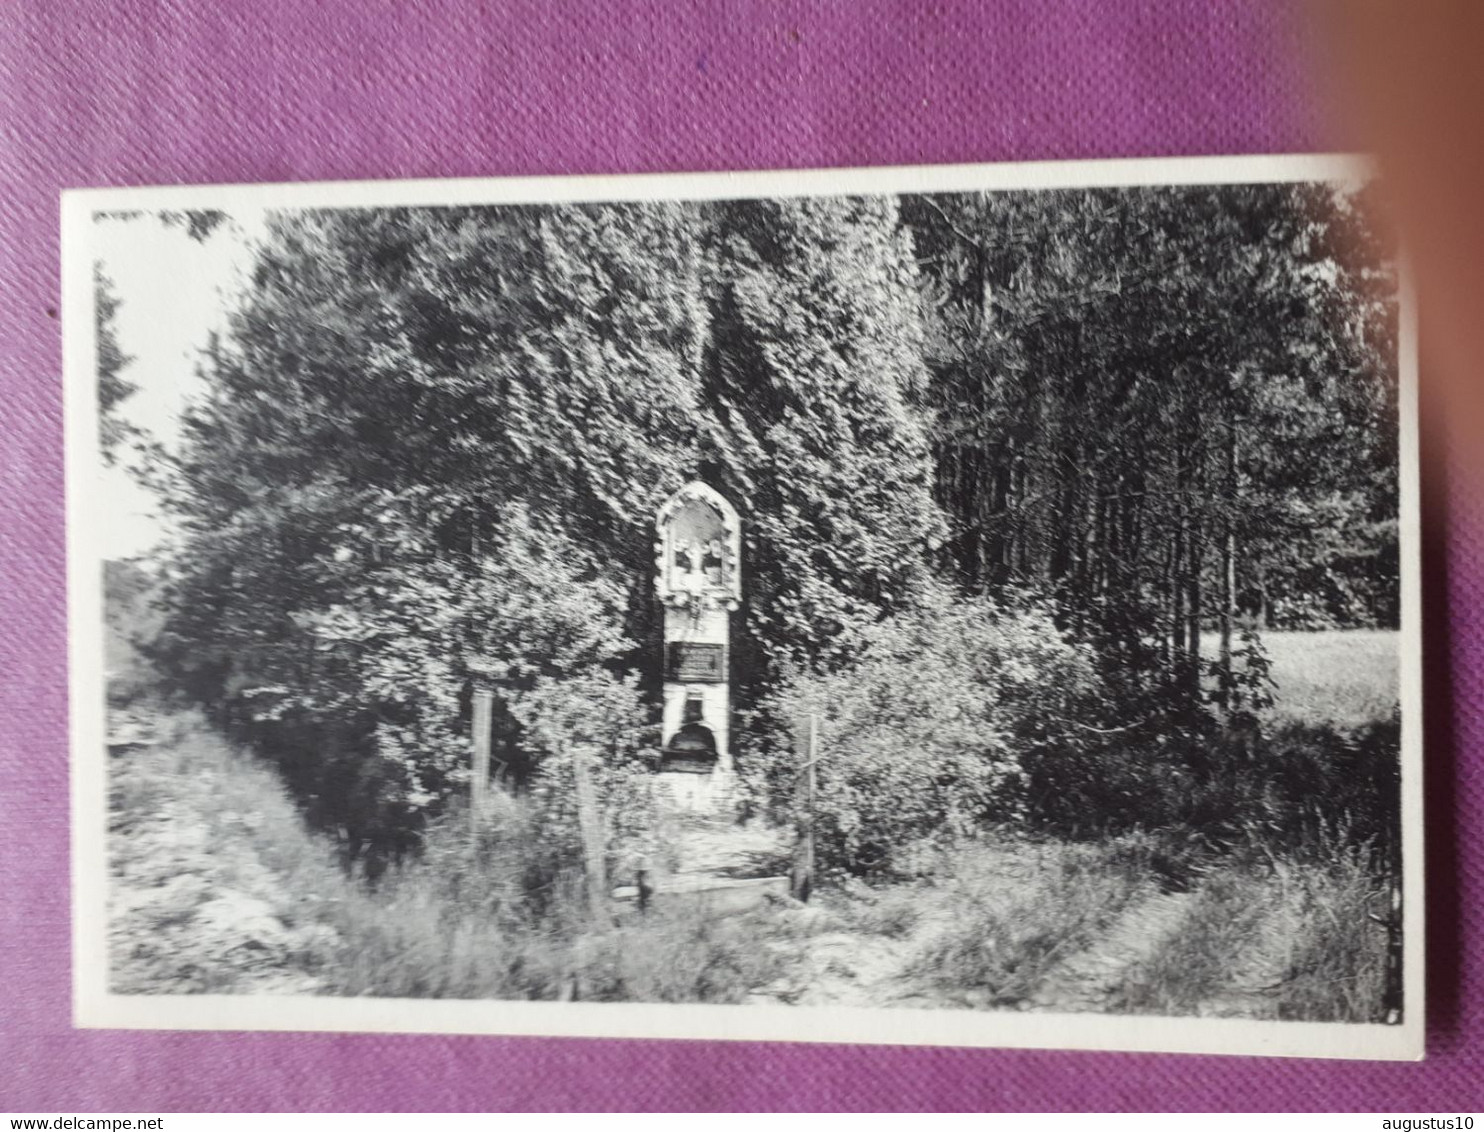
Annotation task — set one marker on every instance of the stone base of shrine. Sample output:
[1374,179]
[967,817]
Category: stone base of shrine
[705,793]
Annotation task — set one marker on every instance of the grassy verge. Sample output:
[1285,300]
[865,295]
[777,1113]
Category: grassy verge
[459,924]
[1290,940]
[214,883]
[217,886]
[1076,927]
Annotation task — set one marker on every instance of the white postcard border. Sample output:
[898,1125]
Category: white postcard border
[96,1007]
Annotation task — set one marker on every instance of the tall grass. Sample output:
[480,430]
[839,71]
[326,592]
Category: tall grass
[219,886]
[1297,939]
[495,916]
[1336,963]
[1286,933]
[501,915]
[214,883]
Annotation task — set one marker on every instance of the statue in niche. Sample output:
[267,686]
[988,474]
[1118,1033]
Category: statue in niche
[689,567]
[700,546]
[712,563]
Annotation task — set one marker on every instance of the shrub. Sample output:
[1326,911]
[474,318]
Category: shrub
[601,718]
[1338,779]
[919,736]
[1222,784]
[358,686]
[131,617]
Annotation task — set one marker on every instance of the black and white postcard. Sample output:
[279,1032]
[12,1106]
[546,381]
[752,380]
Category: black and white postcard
[963,606]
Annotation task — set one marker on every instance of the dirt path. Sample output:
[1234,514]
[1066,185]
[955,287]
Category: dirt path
[837,964]
[1090,979]
[719,847]
[854,968]
[832,967]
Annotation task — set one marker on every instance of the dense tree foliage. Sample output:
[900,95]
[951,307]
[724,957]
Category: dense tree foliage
[431,447]
[436,440]
[816,384]
[1099,423]
[1167,408]
[113,386]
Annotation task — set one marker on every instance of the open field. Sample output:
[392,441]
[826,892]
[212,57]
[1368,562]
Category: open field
[1345,677]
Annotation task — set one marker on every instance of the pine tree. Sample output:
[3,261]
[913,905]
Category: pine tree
[430,455]
[1153,403]
[817,381]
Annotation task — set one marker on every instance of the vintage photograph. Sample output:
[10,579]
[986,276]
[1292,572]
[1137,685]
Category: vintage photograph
[965,606]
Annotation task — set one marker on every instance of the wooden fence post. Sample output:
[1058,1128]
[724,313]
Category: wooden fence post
[801,883]
[590,825]
[479,763]
[1392,1001]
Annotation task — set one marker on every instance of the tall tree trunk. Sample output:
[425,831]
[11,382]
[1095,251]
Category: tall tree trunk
[1177,580]
[1193,498]
[1004,530]
[1177,597]
[1193,609]
[1229,567]
[1092,531]
[1130,574]
[986,472]
[1022,524]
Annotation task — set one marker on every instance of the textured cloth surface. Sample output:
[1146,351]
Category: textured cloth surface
[124,92]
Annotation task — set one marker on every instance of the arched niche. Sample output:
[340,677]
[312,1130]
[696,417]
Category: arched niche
[698,549]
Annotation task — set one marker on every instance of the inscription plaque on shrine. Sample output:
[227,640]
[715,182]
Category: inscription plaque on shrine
[697,661]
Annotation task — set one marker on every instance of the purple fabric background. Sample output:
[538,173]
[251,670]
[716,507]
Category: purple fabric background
[124,92]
